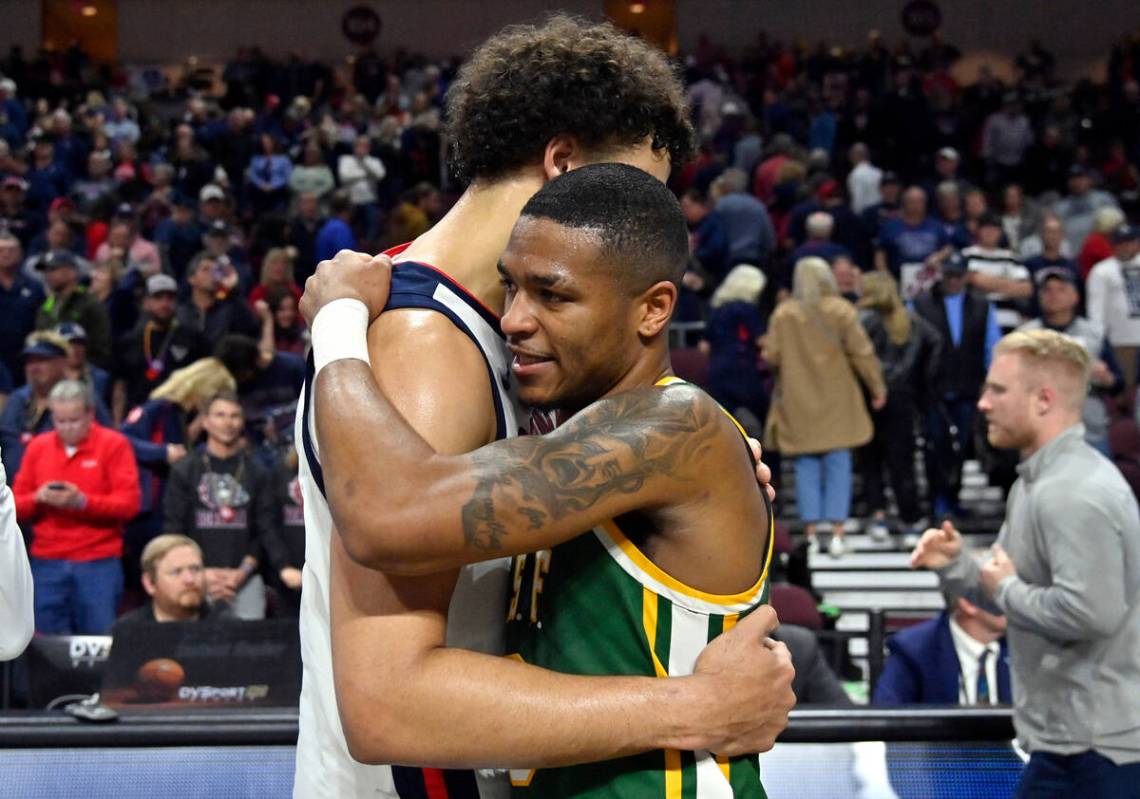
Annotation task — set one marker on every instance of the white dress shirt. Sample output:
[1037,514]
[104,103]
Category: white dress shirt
[969,652]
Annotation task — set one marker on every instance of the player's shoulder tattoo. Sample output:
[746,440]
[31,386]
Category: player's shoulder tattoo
[614,446]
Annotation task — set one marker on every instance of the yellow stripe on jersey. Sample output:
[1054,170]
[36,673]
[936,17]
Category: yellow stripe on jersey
[672,756]
[649,622]
[673,788]
[657,573]
[725,766]
[723,762]
[673,380]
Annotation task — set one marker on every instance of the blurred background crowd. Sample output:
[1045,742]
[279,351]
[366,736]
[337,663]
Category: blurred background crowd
[155,236]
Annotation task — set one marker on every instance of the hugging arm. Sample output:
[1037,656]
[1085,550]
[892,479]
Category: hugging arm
[423,512]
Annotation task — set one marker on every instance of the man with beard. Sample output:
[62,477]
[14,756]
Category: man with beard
[175,580]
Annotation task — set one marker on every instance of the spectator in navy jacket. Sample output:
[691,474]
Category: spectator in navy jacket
[27,412]
[731,337]
[78,367]
[20,299]
[958,658]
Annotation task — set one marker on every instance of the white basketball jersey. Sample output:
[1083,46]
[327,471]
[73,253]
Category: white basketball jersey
[478,606]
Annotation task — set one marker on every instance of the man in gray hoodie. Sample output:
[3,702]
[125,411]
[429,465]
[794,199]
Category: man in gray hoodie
[1065,572]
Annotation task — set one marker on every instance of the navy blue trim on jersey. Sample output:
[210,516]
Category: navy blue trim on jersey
[307,446]
[410,783]
[413,277]
[413,286]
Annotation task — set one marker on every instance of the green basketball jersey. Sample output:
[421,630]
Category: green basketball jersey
[596,605]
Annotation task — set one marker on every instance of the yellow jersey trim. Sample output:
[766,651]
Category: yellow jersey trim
[649,622]
[660,575]
[673,786]
[673,380]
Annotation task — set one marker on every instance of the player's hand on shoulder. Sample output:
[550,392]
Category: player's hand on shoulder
[348,275]
[751,683]
[763,471]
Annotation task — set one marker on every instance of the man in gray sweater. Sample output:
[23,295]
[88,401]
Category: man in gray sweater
[1065,571]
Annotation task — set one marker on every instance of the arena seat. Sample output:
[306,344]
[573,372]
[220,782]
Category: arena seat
[689,363]
[795,605]
[1124,443]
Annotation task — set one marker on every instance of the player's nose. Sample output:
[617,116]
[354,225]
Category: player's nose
[518,318]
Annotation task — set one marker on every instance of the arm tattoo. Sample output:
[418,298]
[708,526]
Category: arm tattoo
[613,447]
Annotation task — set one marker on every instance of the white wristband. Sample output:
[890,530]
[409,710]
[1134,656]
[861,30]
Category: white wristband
[340,331]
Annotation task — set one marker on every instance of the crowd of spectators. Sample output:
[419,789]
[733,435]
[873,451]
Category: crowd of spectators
[154,237]
[950,213]
[156,228]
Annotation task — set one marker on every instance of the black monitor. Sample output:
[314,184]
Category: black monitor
[191,664]
[65,665]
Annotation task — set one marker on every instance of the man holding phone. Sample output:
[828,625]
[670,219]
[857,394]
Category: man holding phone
[77,486]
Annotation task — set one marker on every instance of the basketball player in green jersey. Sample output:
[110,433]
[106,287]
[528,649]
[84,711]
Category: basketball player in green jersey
[651,533]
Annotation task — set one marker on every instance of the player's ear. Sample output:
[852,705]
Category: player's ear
[148,584]
[562,153]
[656,308]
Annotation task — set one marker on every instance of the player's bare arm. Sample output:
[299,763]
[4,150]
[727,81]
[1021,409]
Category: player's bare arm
[643,449]
[456,708]
[631,452]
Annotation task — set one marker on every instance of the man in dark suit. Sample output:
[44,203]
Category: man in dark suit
[958,658]
[969,328]
[815,683]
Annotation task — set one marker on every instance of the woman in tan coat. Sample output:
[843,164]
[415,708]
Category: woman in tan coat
[820,353]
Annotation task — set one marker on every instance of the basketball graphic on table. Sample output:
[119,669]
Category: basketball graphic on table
[158,680]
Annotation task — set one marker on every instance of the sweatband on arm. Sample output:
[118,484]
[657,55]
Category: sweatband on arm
[340,330]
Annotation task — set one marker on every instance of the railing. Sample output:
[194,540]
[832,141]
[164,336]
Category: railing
[279,727]
[685,334]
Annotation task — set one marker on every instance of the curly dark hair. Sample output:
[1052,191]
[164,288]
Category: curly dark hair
[529,83]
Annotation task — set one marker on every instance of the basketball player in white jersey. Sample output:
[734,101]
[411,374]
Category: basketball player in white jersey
[533,102]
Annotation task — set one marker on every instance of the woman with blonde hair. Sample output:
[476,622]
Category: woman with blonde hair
[276,272]
[909,349]
[731,343]
[820,354]
[1098,244]
[161,430]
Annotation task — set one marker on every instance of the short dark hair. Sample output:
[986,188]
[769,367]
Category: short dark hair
[339,203]
[238,353]
[196,261]
[222,396]
[637,219]
[530,83]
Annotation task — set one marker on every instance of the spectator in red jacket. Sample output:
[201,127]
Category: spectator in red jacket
[77,486]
